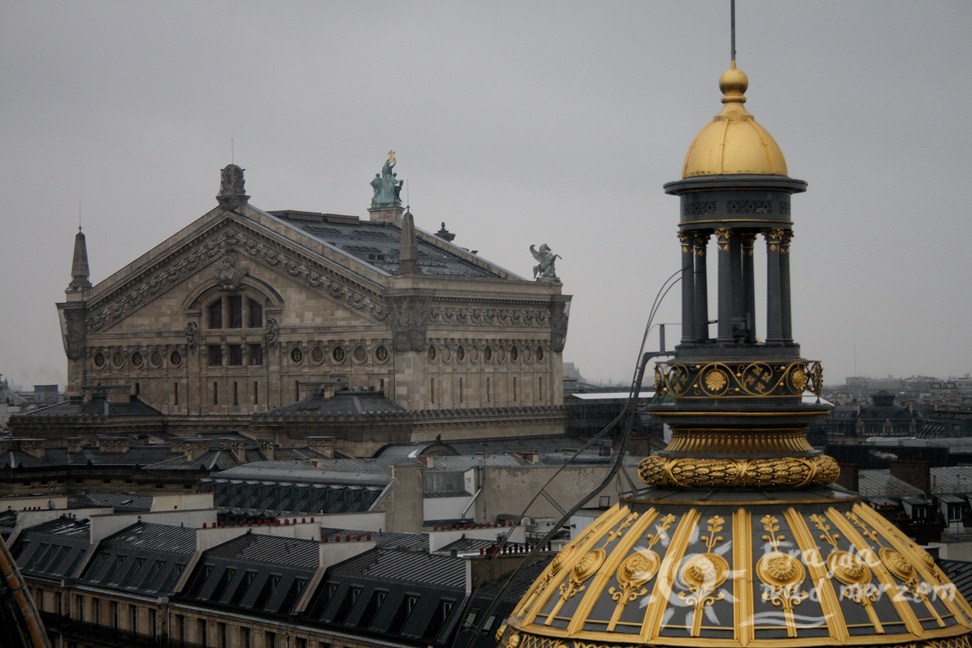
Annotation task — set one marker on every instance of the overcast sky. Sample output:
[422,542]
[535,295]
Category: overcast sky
[515,123]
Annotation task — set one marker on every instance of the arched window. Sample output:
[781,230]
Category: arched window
[233,311]
[215,312]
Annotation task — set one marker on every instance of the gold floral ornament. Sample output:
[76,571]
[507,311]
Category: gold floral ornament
[850,570]
[903,570]
[716,381]
[587,566]
[799,379]
[553,569]
[703,574]
[636,570]
[781,574]
[729,379]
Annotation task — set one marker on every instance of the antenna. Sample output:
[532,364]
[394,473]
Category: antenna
[79,214]
[232,152]
[732,30]
[408,199]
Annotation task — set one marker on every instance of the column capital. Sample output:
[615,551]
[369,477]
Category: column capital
[700,240]
[747,239]
[687,240]
[773,238]
[785,241]
[723,234]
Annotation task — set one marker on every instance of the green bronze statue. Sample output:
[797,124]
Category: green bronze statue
[386,185]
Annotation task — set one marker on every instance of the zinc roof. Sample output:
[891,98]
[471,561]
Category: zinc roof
[880,483]
[406,566]
[270,550]
[377,244]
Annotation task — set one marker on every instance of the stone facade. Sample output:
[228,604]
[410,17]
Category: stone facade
[244,310]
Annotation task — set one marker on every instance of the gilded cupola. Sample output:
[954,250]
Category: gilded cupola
[740,537]
[733,142]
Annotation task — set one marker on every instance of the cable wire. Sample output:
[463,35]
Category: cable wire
[628,414]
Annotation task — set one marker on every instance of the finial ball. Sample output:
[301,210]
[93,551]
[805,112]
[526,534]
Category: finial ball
[733,80]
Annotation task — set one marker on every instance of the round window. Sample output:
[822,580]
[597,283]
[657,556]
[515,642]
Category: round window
[99,360]
[117,359]
[432,353]
[539,354]
[338,355]
[381,353]
[514,354]
[317,355]
[156,359]
[359,354]
[460,354]
[136,359]
[296,355]
[175,358]
[487,354]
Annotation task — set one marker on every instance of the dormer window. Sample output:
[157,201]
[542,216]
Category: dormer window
[232,311]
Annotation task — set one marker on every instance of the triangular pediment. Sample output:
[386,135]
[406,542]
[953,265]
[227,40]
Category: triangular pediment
[226,245]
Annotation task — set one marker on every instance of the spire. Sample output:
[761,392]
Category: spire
[408,252]
[79,264]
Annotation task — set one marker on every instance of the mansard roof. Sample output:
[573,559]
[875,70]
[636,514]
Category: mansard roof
[88,455]
[99,406]
[145,558]
[255,573]
[53,549]
[342,404]
[344,471]
[413,596]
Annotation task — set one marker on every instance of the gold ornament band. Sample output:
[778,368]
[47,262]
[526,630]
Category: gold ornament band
[738,379]
[693,472]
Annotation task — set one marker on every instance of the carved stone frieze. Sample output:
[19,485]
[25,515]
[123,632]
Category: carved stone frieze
[222,239]
[192,334]
[272,334]
[559,312]
[410,316]
[229,274]
[72,329]
[483,315]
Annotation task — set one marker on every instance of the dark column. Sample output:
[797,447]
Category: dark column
[785,321]
[689,329]
[738,303]
[723,238]
[701,242]
[749,287]
[774,314]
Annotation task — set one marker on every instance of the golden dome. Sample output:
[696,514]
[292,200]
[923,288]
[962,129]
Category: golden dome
[733,142]
[740,572]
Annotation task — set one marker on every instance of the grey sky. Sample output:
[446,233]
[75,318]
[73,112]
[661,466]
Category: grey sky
[515,123]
